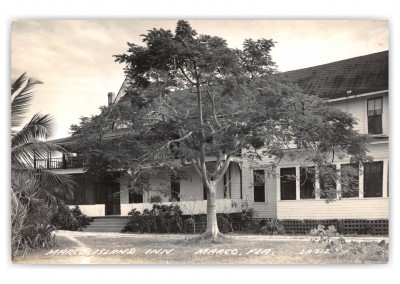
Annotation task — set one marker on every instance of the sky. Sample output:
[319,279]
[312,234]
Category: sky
[74,58]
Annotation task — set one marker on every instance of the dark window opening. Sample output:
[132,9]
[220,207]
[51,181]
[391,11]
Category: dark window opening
[135,197]
[349,178]
[288,183]
[373,179]
[307,179]
[259,186]
[375,116]
[175,188]
[327,182]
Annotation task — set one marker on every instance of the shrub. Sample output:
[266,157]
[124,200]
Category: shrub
[272,227]
[350,251]
[248,221]
[322,235]
[365,251]
[64,221]
[31,209]
[160,219]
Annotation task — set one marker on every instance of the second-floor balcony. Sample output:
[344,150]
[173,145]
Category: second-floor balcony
[72,162]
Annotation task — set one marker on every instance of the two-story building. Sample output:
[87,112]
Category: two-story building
[357,85]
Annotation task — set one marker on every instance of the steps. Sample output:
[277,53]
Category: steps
[107,224]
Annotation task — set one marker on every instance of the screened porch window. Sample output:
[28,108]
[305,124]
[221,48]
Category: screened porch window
[307,177]
[349,178]
[259,186]
[373,179]
[327,182]
[288,183]
[175,188]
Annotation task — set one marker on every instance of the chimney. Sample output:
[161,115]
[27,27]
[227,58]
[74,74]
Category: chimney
[111,98]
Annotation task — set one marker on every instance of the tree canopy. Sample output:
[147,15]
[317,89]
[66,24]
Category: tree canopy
[190,96]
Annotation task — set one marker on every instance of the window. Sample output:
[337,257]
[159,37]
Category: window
[288,183]
[373,179]
[259,186]
[375,116]
[135,197]
[175,188]
[136,190]
[349,178]
[327,182]
[307,176]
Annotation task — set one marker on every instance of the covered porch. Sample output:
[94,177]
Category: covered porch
[187,207]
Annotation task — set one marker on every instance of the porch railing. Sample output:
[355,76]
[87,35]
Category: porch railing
[61,163]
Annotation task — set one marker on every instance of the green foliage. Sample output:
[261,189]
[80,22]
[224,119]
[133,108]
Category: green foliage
[272,227]
[31,209]
[346,251]
[322,234]
[189,96]
[248,219]
[160,219]
[365,251]
[64,221]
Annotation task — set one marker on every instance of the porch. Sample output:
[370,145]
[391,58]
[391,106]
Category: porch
[188,207]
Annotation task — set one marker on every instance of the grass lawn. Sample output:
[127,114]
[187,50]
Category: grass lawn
[115,248]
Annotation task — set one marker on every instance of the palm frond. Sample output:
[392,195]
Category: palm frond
[39,127]
[18,82]
[34,189]
[22,155]
[45,180]
[21,96]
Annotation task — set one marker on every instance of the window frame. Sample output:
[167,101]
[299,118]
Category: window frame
[376,116]
[281,183]
[356,167]
[302,184]
[258,187]
[374,178]
[175,194]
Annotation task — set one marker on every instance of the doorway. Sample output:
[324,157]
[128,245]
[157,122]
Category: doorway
[107,192]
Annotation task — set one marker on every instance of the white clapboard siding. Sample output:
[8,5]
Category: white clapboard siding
[265,209]
[358,108]
[351,208]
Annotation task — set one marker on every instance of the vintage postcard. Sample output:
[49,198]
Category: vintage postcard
[200,141]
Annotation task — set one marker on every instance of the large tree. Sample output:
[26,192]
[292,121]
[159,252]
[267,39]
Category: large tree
[195,97]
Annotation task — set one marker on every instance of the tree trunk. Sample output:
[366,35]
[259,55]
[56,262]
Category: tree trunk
[212,224]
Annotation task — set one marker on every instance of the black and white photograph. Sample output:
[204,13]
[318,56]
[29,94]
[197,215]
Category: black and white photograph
[200,141]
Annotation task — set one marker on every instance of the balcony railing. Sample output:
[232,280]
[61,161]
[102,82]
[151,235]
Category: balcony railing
[61,163]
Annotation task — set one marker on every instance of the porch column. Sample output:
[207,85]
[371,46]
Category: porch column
[297,183]
[361,181]
[385,178]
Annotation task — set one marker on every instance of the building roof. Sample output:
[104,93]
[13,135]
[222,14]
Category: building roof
[360,75]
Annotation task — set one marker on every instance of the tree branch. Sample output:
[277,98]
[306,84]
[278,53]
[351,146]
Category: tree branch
[213,108]
[180,139]
[187,78]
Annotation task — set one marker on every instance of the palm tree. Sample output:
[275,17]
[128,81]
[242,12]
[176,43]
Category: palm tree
[32,189]
[26,143]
